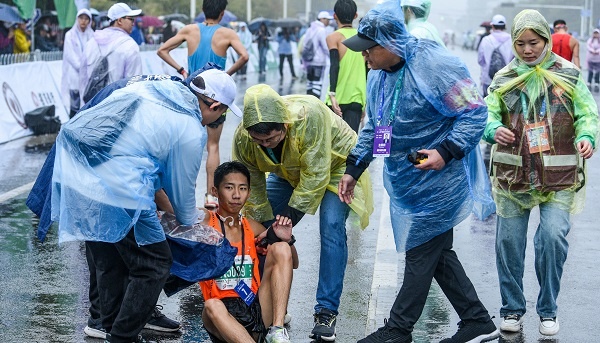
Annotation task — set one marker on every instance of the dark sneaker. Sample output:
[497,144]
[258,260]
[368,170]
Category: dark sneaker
[94,328]
[387,334]
[324,329]
[474,332]
[160,322]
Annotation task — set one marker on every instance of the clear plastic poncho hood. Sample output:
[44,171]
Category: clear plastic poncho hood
[113,157]
[433,98]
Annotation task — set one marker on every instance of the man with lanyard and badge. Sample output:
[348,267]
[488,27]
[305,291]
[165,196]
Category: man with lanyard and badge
[239,305]
[435,121]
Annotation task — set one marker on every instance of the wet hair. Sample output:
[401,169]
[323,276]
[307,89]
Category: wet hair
[266,128]
[345,11]
[559,22]
[213,8]
[230,168]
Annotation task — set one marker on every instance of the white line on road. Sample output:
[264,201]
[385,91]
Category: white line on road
[385,270]
[16,192]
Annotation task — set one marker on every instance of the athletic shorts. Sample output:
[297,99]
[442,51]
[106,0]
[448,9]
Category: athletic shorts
[249,316]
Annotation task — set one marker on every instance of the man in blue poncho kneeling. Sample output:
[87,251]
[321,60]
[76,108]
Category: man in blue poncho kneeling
[423,98]
[110,161]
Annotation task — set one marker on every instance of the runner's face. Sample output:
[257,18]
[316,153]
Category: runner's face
[270,140]
[529,46]
[211,110]
[232,193]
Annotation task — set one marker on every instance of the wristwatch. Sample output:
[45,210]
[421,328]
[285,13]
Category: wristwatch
[292,240]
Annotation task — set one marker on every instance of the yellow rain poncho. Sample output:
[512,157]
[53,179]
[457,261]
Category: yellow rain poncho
[549,91]
[313,158]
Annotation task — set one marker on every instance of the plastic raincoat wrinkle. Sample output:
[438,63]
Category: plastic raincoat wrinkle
[557,83]
[124,61]
[424,109]
[313,159]
[420,27]
[111,161]
[74,46]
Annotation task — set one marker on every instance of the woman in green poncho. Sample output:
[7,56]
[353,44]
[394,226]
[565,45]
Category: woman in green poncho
[544,124]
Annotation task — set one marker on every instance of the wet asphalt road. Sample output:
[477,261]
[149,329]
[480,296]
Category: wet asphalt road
[43,286]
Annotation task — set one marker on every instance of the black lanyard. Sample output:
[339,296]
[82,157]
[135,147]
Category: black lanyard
[243,246]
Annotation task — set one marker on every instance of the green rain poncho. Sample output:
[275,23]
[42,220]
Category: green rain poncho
[420,27]
[313,159]
[551,90]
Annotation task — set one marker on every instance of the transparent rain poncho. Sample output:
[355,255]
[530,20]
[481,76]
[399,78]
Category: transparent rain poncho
[313,159]
[535,84]
[113,157]
[429,100]
[420,27]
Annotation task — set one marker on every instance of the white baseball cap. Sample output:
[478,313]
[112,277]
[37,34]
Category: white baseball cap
[324,15]
[120,10]
[219,86]
[498,19]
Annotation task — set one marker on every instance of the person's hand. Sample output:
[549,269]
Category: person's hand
[260,249]
[504,136]
[346,188]
[585,149]
[184,74]
[335,106]
[434,160]
[282,227]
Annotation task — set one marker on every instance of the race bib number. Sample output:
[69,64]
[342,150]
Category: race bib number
[537,137]
[237,273]
[382,141]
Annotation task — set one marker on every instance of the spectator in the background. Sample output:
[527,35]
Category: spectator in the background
[285,40]
[75,40]
[7,37]
[593,60]
[416,13]
[315,53]
[138,32]
[263,36]
[22,39]
[43,39]
[495,51]
[563,44]
[246,38]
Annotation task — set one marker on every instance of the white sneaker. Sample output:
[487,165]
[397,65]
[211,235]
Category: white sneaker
[277,334]
[549,326]
[512,323]
[287,319]
[94,332]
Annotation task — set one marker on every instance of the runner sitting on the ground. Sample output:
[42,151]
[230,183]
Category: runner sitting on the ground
[236,309]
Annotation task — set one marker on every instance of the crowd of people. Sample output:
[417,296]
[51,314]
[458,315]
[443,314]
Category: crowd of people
[134,146]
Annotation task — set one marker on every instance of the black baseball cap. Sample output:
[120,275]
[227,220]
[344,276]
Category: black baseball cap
[359,42]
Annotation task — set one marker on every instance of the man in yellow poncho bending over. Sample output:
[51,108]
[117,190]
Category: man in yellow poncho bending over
[303,145]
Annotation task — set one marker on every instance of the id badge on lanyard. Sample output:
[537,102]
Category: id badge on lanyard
[537,133]
[382,138]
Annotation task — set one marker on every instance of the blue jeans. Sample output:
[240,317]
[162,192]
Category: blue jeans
[551,247]
[332,228]
[262,58]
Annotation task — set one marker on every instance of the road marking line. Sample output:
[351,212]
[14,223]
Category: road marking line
[385,270]
[16,192]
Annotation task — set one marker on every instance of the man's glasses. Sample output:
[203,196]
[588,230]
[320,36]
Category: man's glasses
[130,18]
[369,52]
[206,102]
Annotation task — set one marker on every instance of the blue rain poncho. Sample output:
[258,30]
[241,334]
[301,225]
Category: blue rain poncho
[113,157]
[432,98]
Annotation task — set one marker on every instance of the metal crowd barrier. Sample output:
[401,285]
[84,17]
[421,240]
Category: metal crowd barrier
[51,55]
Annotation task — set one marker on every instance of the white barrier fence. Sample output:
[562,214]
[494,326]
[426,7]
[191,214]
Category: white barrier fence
[27,86]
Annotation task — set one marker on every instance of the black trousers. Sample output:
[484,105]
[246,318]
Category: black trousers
[351,114]
[435,259]
[282,58]
[130,279]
